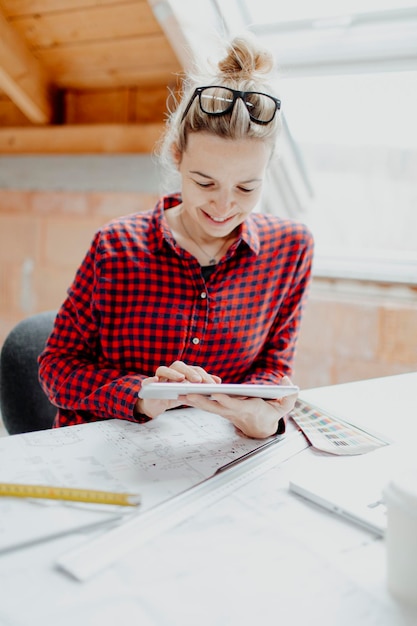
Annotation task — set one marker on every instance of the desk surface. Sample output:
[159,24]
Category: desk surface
[259,556]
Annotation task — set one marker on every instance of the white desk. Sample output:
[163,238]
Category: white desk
[261,556]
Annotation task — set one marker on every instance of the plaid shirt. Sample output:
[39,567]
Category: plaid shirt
[139,301]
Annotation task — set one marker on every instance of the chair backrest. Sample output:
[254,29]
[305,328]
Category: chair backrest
[23,404]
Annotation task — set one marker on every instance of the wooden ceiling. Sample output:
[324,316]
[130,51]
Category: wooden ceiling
[83,76]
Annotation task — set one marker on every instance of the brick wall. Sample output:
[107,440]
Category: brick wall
[349,332]
[356,330]
[43,238]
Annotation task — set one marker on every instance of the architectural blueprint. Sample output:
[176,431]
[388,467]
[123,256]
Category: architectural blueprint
[158,459]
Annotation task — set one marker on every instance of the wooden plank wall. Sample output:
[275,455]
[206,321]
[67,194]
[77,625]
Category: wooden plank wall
[106,61]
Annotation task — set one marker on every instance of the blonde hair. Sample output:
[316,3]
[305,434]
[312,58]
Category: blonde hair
[245,67]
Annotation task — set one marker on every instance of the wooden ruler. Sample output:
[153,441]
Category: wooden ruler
[93,496]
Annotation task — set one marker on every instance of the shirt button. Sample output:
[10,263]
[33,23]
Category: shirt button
[196,341]
[203,295]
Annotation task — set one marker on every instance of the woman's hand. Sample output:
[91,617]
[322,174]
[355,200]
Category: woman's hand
[255,417]
[177,372]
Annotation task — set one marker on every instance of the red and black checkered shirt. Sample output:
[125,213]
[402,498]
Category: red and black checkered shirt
[139,301]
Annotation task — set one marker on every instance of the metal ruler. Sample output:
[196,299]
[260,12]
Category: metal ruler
[100,552]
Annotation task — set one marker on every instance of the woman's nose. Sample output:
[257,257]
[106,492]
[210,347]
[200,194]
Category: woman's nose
[222,203]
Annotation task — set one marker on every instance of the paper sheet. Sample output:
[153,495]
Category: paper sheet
[158,459]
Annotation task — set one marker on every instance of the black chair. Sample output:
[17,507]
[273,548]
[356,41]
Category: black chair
[23,404]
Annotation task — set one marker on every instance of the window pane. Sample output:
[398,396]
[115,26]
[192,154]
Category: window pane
[267,12]
[358,138]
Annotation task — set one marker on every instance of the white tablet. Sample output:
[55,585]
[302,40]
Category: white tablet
[357,501]
[171,391]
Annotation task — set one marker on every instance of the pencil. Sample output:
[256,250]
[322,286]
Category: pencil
[12,490]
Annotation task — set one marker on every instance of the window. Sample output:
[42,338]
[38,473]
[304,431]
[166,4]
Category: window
[348,168]
[355,133]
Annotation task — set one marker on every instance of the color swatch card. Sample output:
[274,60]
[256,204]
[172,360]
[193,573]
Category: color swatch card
[330,434]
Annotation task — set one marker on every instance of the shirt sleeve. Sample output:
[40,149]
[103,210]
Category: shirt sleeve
[276,358]
[71,371]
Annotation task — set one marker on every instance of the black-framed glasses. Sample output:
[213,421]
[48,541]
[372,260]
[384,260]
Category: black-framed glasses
[217,100]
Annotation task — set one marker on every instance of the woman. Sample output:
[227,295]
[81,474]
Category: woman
[200,289]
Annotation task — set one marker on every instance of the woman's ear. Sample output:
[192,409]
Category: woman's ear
[176,154]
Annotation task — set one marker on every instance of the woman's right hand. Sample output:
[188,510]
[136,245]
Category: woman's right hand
[177,372]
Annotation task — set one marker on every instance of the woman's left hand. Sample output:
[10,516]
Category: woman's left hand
[255,417]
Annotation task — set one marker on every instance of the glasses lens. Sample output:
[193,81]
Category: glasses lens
[260,106]
[216,100]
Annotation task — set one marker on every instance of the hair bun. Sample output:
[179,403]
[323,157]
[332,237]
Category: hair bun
[245,58]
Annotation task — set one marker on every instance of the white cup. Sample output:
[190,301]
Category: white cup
[400,496]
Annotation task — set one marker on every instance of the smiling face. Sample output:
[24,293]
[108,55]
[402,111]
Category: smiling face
[221,182]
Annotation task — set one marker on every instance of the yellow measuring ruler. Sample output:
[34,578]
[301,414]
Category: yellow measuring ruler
[94,496]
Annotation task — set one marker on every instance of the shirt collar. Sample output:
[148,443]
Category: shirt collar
[249,234]
[158,227]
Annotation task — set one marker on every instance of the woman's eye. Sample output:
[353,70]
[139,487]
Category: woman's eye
[204,185]
[245,189]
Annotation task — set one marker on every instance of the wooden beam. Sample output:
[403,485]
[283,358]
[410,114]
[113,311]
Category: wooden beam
[87,24]
[22,77]
[174,32]
[123,61]
[17,8]
[81,139]
[10,115]
[191,28]
[115,106]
